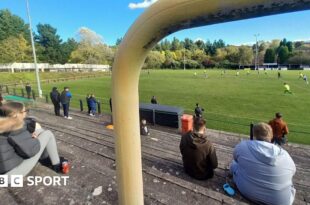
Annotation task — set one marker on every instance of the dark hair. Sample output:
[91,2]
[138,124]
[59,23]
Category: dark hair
[10,108]
[199,123]
[278,115]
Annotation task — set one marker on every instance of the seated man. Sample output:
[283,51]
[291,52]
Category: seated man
[144,130]
[198,153]
[262,171]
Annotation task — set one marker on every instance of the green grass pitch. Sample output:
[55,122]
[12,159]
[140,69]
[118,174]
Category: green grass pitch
[231,102]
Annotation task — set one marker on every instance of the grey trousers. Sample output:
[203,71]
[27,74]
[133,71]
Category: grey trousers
[48,143]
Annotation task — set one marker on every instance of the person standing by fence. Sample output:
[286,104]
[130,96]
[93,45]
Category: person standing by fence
[65,98]
[92,104]
[28,90]
[153,100]
[279,129]
[55,98]
[87,102]
[198,110]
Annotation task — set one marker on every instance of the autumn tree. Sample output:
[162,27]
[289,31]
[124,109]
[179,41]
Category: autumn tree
[91,49]
[15,49]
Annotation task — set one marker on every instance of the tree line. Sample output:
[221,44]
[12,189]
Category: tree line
[88,48]
[15,44]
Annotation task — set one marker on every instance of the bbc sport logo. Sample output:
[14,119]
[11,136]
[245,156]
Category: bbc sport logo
[18,181]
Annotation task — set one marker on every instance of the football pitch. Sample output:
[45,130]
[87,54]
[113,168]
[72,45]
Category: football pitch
[231,102]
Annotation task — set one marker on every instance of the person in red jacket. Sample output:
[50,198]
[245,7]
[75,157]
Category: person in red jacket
[279,129]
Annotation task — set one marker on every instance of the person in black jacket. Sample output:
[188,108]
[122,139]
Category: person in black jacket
[198,110]
[28,90]
[55,98]
[153,100]
[22,142]
[65,98]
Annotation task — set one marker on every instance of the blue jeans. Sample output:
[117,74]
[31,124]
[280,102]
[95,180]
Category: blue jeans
[66,109]
[279,140]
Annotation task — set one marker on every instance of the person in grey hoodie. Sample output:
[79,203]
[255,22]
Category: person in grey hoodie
[263,171]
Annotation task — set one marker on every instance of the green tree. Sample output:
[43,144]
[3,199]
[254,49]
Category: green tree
[290,46]
[51,43]
[165,45]
[283,54]
[200,44]
[15,49]
[67,48]
[270,56]
[219,44]
[189,44]
[12,26]
[175,44]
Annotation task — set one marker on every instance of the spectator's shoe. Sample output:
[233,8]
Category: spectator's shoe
[62,167]
[228,189]
[69,118]
[66,117]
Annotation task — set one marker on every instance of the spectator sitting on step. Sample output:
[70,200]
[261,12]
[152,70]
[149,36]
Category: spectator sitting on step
[198,153]
[92,104]
[22,142]
[143,128]
[262,171]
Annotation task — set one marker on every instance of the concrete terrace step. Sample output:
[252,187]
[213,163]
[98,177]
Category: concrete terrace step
[90,148]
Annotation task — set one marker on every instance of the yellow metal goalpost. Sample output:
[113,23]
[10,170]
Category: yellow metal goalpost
[161,19]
